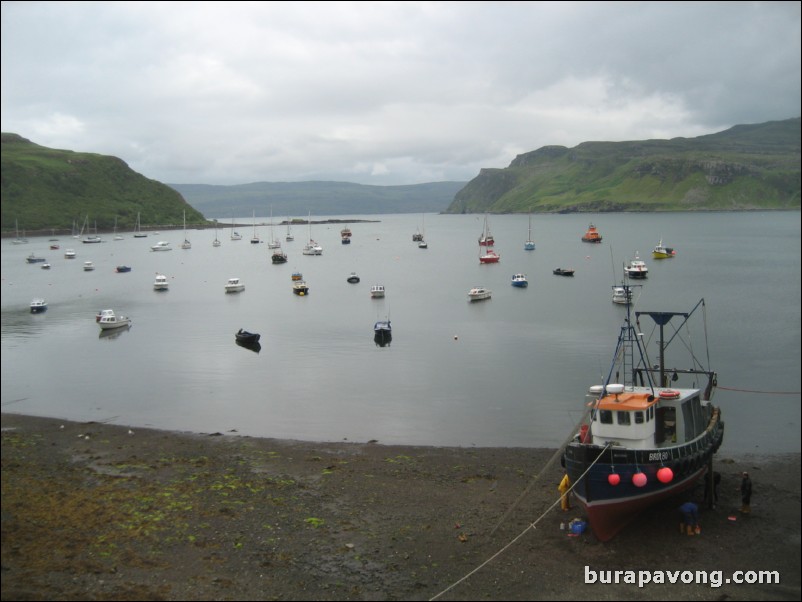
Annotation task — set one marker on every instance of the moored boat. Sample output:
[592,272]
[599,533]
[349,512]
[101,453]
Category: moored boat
[123,268]
[162,245]
[663,252]
[563,271]
[382,333]
[234,285]
[109,320]
[641,441]
[489,256]
[34,259]
[161,283]
[38,306]
[353,278]
[377,291]
[592,235]
[520,280]
[300,288]
[479,293]
[636,268]
[88,266]
[247,338]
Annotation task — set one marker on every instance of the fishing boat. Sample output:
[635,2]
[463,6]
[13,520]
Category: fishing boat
[300,288]
[109,320]
[345,235]
[563,271]
[636,268]
[663,252]
[529,244]
[296,276]
[641,441]
[34,259]
[520,280]
[591,235]
[278,256]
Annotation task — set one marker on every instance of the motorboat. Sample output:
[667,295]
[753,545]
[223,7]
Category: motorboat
[247,338]
[639,441]
[479,293]
[663,252]
[520,281]
[312,248]
[622,295]
[234,285]
[162,245]
[69,254]
[382,333]
[300,288]
[636,268]
[489,256]
[592,235]
[563,272]
[278,256]
[353,278]
[34,259]
[297,276]
[46,266]
[88,266]
[55,247]
[103,312]
[377,291]
[109,320]
[123,268]
[38,306]
[161,283]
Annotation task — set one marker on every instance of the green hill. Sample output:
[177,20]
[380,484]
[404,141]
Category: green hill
[49,189]
[746,167]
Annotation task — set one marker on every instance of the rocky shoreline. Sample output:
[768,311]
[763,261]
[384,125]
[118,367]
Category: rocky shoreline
[95,511]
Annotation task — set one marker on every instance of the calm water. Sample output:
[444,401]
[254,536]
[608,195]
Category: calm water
[511,371]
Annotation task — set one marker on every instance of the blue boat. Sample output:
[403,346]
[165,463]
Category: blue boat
[520,281]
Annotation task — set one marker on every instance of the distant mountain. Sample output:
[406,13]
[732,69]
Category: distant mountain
[49,189]
[743,168]
[319,198]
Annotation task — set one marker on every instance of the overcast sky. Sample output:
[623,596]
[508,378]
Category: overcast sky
[384,93]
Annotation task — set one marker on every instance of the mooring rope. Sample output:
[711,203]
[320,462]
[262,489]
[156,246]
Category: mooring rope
[760,392]
[530,526]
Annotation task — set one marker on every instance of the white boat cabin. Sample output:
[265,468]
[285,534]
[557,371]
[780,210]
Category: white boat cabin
[637,418]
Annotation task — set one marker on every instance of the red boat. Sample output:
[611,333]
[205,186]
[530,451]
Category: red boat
[592,235]
[489,256]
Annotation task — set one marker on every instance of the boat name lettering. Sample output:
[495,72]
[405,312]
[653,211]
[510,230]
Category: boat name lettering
[659,456]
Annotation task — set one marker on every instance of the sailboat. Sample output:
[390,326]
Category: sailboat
[529,245]
[18,240]
[254,239]
[186,244]
[289,237]
[486,238]
[216,242]
[138,230]
[90,238]
[234,234]
[273,243]
[116,236]
[312,247]
[422,244]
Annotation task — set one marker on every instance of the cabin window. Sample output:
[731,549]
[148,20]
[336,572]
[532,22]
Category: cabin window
[666,427]
[623,418]
[606,416]
[639,417]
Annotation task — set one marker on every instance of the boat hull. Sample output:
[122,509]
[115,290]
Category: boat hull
[611,507]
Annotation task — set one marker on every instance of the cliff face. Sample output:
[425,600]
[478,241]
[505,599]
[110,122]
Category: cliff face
[743,168]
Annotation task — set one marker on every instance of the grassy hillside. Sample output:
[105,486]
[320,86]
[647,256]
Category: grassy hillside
[320,198]
[743,168]
[49,189]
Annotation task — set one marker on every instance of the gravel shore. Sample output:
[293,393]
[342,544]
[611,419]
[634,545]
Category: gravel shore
[94,511]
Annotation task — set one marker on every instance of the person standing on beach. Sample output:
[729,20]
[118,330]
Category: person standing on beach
[746,493]
[689,518]
[565,485]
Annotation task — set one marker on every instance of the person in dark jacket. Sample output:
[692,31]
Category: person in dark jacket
[689,518]
[746,493]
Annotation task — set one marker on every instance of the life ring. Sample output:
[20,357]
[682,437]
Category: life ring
[669,394]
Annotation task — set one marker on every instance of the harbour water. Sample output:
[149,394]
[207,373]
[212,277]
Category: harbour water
[508,371]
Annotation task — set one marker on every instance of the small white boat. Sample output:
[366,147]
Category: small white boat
[377,291]
[45,266]
[479,293]
[622,295]
[353,278]
[161,283]
[88,266]
[636,268]
[69,254]
[38,306]
[109,320]
[162,245]
[234,285]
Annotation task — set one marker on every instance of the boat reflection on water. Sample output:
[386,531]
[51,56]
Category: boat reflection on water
[255,347]
[109,335]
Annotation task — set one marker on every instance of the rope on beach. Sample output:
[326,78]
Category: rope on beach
[760,392]
[532,525]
